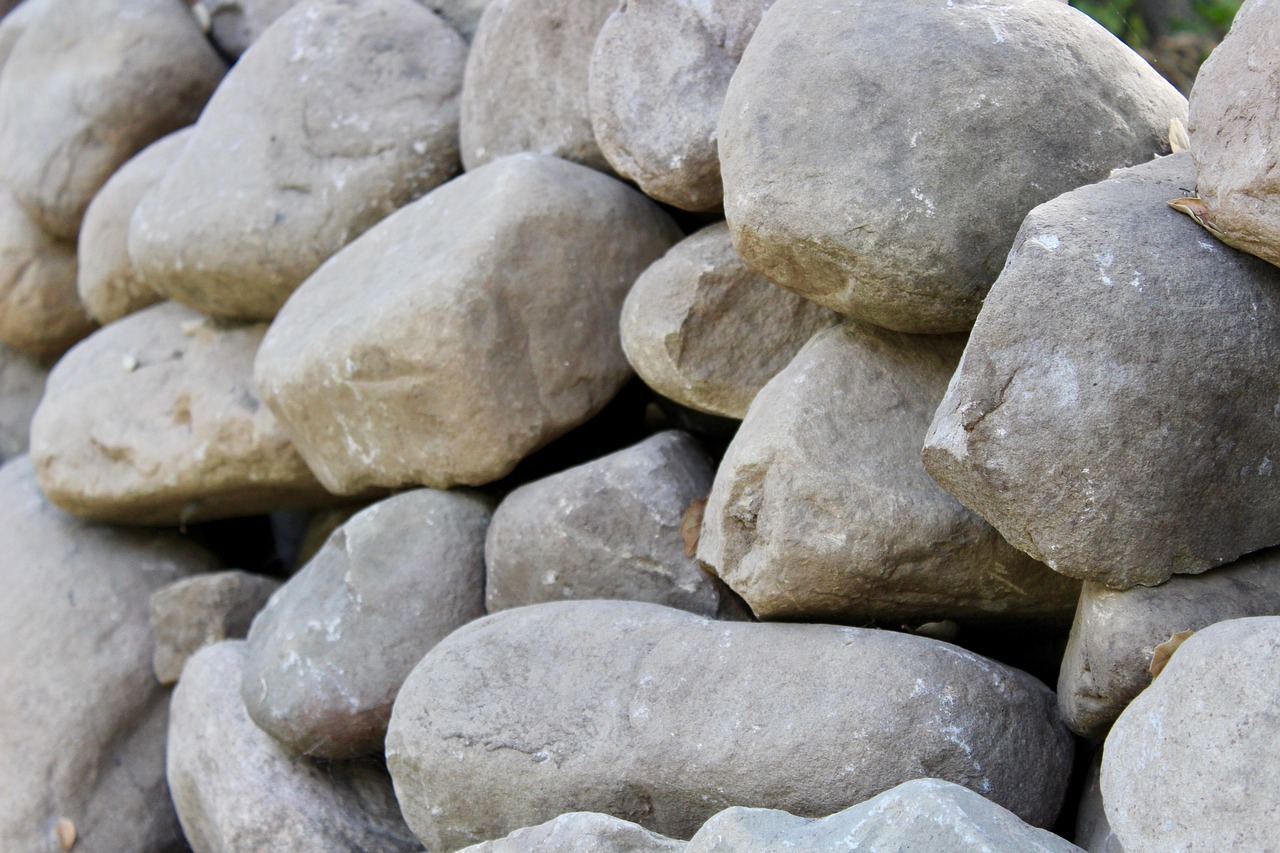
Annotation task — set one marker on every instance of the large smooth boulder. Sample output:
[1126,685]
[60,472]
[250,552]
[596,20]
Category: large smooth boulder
[22,381]
[704,330]
[1191,762]
[192,613]
[519,269]
[83,737]
[236,789]
[822,511]
[153,420]
[343,111]
[581,832]
[326,657]
[897,208]
[664,718]
[1132,437]
[89,84]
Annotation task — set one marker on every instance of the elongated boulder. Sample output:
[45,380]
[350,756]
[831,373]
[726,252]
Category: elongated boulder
[153,420]
[581,832]
[519,269]
[22,381]
[1096,442]
[343,111]
[822,511]
[595,706]
[899,210]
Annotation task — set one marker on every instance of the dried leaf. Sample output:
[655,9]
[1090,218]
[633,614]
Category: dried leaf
[691,525]
[66,833]
[1165,650]
[1179,139]
[1199,213]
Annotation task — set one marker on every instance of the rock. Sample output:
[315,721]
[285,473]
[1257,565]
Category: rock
[15,23]
[822,511]
[659,73]
[607,529]
[462,15]
[189,614]
[40,312]
[898,212]
[1233,131]
[664,718]
[343,111]
[581,832]
[88,85]
[327,656]
[153,420]
[524,342]
[921,816]
[526,82]
[83,737]
[1187,765]
[1093,832]
[1116,633]
[236,789]
[108,284]
[21,386]
[1095,442]
[686,320]
[236,24]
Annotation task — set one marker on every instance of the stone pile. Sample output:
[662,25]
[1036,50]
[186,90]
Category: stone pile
[335,516]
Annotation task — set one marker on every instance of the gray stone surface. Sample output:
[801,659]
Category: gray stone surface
[1097,441]
[581,832]
[326,657]
[704,330]
[236,24]
[341,112]
[189,614]
[236,789]
[1191,763]
[15,23]
[897,202]
[22,380]
[88,85]
[664,718]
[524,343]
[83,736]
[1093,831]
[608,529]
[153,420]
[822,510]
[1115,633]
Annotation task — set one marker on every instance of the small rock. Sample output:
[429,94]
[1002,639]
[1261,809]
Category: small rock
[21,386]
[581,832]
[236,24]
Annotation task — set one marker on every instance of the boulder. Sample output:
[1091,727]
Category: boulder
[15,23]
[462,15]
[581,832]
[659,73]
[704,330]
[519,269]
[343,111]
[1093,832]
[1096,441]
[526,82]
[153,420]
[822,511]
[236,789]
[1190,763]
[109,285]
[88,85]
[21,386]
[1115,633]
[83,739]
[899,210]
[328,654]
[664,718]
[608,529]
[1234,129]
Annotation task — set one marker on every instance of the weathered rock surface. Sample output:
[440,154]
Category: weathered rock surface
[659,73]
[106,280]
[1093,832]
[1189,764]
[189,614]
[581,832]
[1234,128]
[1115,633]
[341,112]
[327,656]
[664,718]
[83,737]
[22,380]
[88,85]
[822,511]
[921,816]
[900,211]
[704,330]
[608,529]
[524,343]
[153,420]
[527,78]
[1096,442]
[236,789]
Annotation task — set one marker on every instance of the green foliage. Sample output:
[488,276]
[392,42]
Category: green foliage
[1209,18]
